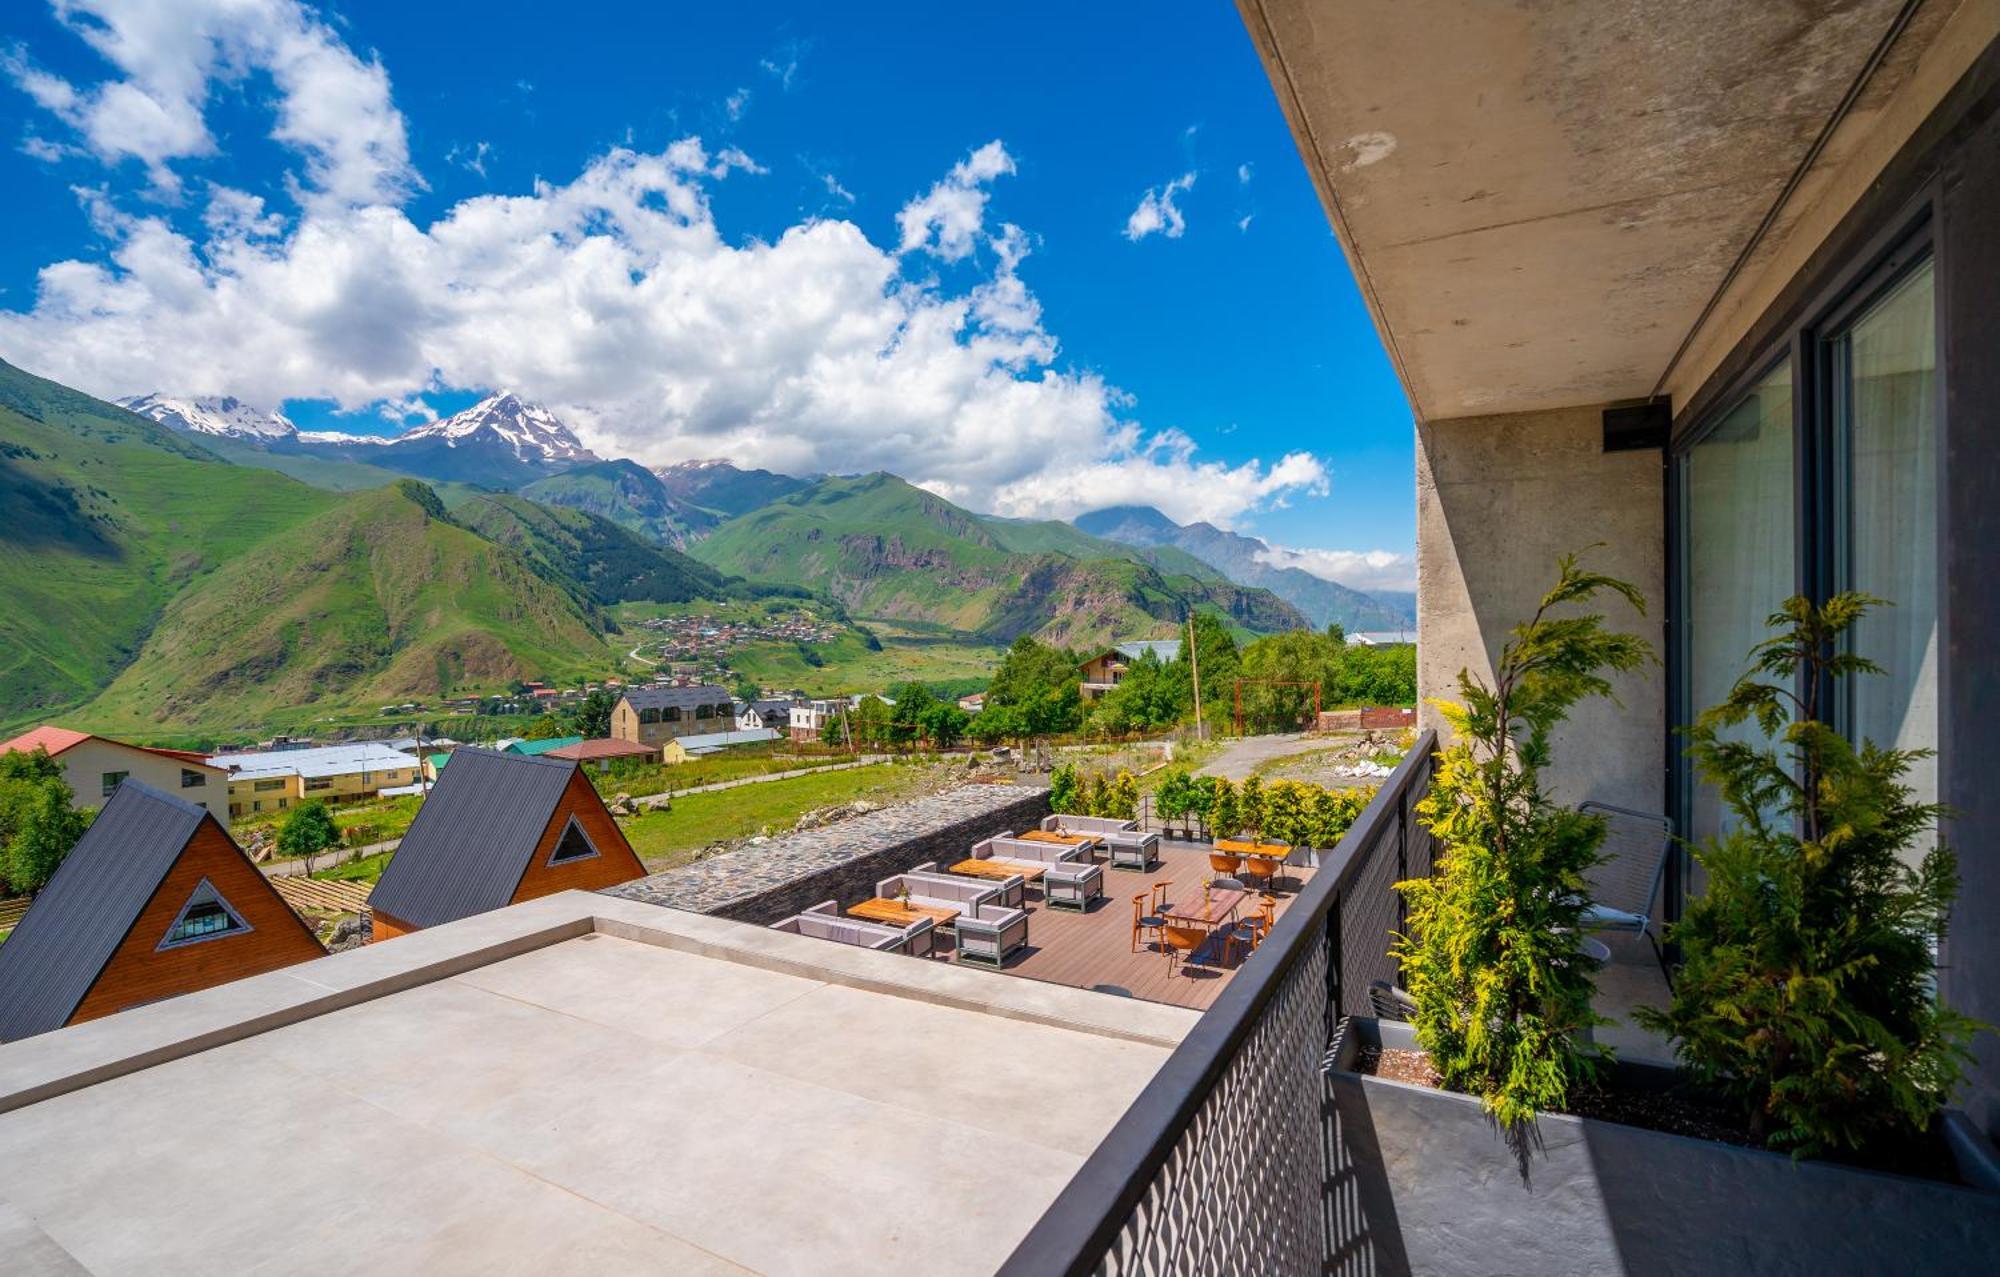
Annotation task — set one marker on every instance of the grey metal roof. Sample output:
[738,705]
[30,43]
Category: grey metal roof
[680,697]
[471,841]
[78,921]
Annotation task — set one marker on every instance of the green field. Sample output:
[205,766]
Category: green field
[667,838]
[751,760]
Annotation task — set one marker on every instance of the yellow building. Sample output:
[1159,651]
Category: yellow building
[275,780]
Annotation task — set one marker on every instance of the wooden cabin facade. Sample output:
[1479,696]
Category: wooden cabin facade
[497,830]
[156,900]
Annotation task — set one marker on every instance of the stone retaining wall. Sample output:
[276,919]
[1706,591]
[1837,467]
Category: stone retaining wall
[842,861]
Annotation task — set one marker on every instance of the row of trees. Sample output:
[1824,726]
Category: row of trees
[1038,690]
[1287,811]
[917,718]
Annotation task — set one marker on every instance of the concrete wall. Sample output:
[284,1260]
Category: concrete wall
[1498,499]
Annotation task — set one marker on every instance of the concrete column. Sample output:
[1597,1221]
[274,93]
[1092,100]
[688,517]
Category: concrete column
[1498,499]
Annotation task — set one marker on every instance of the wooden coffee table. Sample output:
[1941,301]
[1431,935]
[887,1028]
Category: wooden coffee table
[997,871]
[899,913]
[1050,835]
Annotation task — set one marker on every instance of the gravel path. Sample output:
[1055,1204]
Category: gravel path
[1240,757]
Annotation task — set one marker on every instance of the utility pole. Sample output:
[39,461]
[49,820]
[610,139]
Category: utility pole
[1194,661]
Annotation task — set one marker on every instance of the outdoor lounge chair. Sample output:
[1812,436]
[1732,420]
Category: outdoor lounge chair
[1133,850]
[1622,887]
[989,933]
[1072,886]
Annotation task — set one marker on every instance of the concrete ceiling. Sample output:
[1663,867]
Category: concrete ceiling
[1539,198]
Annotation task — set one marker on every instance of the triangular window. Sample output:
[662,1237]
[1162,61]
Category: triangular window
[205,916]
[573,845]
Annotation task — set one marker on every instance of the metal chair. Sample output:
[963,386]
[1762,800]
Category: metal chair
[1142,922]
[1622,887]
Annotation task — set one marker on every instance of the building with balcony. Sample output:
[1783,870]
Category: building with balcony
[1106,670]
[1707,285]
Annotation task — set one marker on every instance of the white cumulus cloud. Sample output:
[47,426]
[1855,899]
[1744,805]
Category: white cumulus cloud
[1359,569]
[613,296]
[1157,213]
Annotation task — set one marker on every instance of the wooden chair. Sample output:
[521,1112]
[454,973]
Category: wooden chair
[1143,922]
[1160,896]
[1182,938]
[1221,863]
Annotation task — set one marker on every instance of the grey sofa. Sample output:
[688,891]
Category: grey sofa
[1130,849]
[1072,886]
[942,891]
[1097,825]
[990,933]
[1007,849]
[828,925]
[919,938]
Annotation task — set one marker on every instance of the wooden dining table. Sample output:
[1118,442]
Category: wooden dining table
[1255,850]
[1217,908]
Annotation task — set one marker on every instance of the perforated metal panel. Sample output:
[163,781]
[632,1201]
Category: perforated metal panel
[1258,1177]
[1239,1193]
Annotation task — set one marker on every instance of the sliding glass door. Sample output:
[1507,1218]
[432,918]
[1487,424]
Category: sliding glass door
[1885,402]
[1821,476]
[1738,552]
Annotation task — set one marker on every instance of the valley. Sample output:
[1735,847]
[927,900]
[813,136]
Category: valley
[193,567]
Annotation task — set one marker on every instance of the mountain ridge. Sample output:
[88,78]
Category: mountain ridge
[1322,601]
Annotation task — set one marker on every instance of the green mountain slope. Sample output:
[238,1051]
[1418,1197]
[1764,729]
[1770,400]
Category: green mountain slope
[626,493]
[151,586]
[606,562]
[377,598]
[886,549]
[109,516]
[330,473]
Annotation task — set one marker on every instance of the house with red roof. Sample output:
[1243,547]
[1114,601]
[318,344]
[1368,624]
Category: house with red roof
[93,766]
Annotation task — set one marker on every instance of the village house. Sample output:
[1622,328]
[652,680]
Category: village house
[93,766]
[682,748]
[655,715]
[1106,670]
[772,712]
[154,901]
[497,830]
[276,780]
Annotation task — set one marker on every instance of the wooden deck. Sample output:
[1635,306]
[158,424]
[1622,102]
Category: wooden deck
[1094,950]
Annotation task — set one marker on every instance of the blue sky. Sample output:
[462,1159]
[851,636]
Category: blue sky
[775,232]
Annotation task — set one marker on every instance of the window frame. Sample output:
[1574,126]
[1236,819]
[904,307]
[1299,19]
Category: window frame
[1807,339]
[556,859]
[242,927]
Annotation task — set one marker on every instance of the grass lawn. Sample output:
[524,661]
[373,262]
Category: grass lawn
[366,869]
[668,838]
[379,820]
[733,764]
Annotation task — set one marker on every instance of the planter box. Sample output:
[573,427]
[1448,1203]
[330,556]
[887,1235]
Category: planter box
[1430,1186]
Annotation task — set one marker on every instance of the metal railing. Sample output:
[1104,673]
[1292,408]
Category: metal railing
[1228,1161]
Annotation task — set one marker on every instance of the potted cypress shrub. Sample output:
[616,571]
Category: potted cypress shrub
[1462,1157]
[1805,992]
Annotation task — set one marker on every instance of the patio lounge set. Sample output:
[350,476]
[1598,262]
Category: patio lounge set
[981,901]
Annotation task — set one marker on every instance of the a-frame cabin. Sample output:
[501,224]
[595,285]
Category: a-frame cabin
[496,830]
[155,900]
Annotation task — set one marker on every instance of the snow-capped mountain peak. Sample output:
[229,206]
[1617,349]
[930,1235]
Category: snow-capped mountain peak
[530,431]
[223,415]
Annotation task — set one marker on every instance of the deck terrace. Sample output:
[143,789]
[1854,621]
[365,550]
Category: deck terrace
[1093,950]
